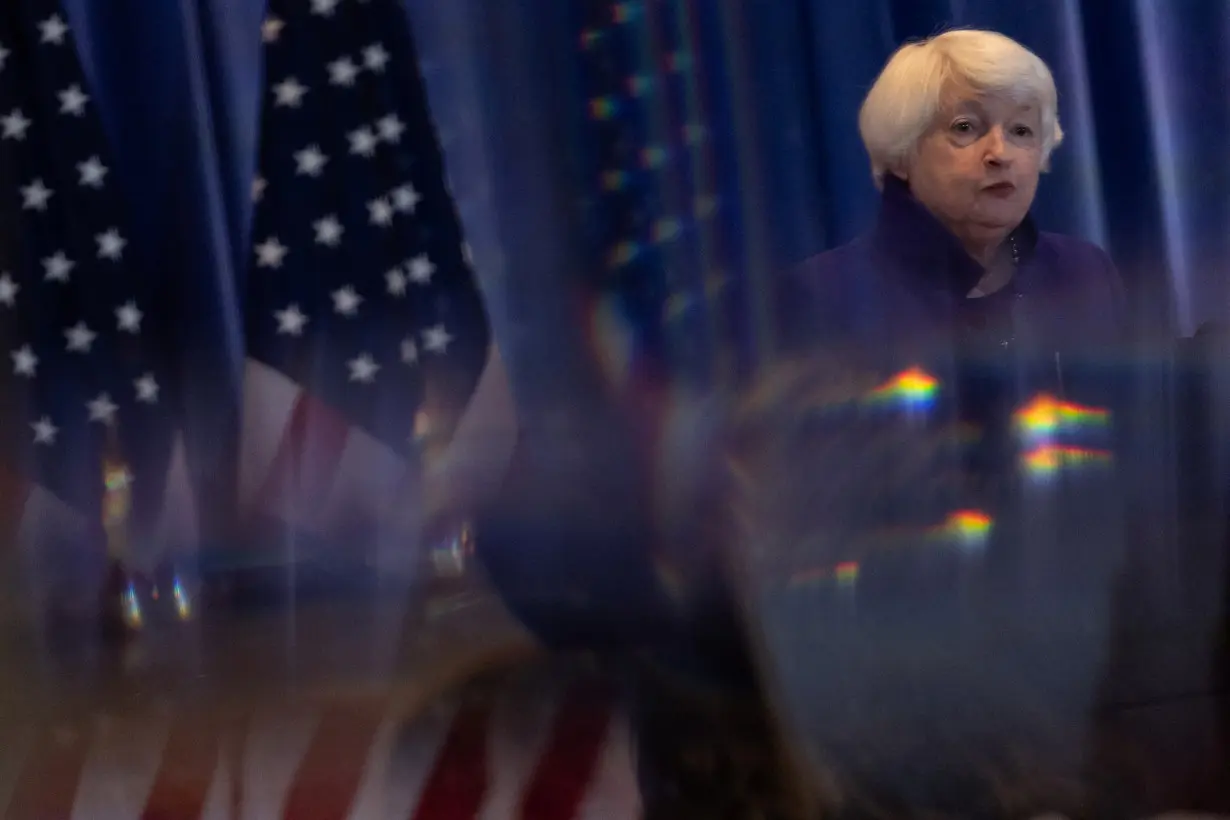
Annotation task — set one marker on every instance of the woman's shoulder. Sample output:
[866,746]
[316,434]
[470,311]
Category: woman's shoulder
[1068,249]
[835,261]
[819,292]
[1081,265]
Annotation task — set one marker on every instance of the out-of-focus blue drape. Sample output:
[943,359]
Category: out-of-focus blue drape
[1144,171]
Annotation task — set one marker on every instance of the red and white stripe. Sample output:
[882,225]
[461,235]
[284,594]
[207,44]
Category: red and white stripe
[527,752]
[304,465]
[31,516]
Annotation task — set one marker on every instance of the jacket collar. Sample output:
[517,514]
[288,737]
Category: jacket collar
[924,251]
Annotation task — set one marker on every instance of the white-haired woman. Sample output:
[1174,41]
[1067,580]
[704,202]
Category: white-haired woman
[956,279]
[959,128]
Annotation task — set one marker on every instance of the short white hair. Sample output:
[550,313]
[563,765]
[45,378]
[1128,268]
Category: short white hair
[909,92]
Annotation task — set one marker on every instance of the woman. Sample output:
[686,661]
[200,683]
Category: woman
[959,127]
[1020,333]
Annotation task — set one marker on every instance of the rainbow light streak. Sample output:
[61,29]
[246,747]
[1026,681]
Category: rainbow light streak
[603,108]
[623,12]
[704,206]
[1048,459]
[678,61]
[639,85]
[665,229]
[132,608]
[844,574]
[183,606]
[614,180]
[1046,417]
[623,253]
[589,37]
[969,527]
[653,156]
[914,388]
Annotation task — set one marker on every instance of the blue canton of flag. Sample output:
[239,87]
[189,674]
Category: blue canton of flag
[361,303]
[88,363]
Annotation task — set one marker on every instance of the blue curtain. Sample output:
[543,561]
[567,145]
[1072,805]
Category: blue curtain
[1144,171]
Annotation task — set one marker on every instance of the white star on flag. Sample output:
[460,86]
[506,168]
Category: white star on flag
[73,100]
[15,125]
[91,172]
[328,231]
[436,339]
[380,212]
[147,389]
[128,317]
[405,198]
[362,142]
[310,161]
[409,351]
[80,338]
[110,244]
[375,57]
[102,409]
[360,162]
[363,369]
[57,267]
[390,128]
[343,71]
[290,321]
[8,290]
[52,30]
[395,281]
[44,431]
[34,197]
[346,302]
[258,188]
[271,29]
[421,269]
[270,253]
[24,361]
[289,93]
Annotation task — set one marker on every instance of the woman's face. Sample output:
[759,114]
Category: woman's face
[976,169]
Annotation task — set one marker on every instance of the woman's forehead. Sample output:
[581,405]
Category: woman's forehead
[1005,102]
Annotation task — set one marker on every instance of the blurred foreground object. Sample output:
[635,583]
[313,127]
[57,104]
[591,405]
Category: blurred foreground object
[909,666]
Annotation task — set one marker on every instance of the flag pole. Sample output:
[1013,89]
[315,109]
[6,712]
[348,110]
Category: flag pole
[122,614]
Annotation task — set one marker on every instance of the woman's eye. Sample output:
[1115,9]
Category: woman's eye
[1023,131]
[962,126]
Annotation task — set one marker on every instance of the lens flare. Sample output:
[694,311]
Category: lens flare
[968,527]
[914,388]
[1046,417]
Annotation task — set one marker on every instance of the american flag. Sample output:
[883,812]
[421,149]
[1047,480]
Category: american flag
[537,747]
[361,306]
[89,362]
[656,221]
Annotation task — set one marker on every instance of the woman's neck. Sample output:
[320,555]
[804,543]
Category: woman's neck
[999,268]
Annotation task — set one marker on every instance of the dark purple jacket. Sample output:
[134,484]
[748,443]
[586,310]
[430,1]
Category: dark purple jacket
[897,298]
[899,292]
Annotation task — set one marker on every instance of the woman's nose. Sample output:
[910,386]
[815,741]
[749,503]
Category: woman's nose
[996,153]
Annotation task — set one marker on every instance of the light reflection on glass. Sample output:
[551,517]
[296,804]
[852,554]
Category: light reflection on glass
[970,528]
[1046,417]
[914,388]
